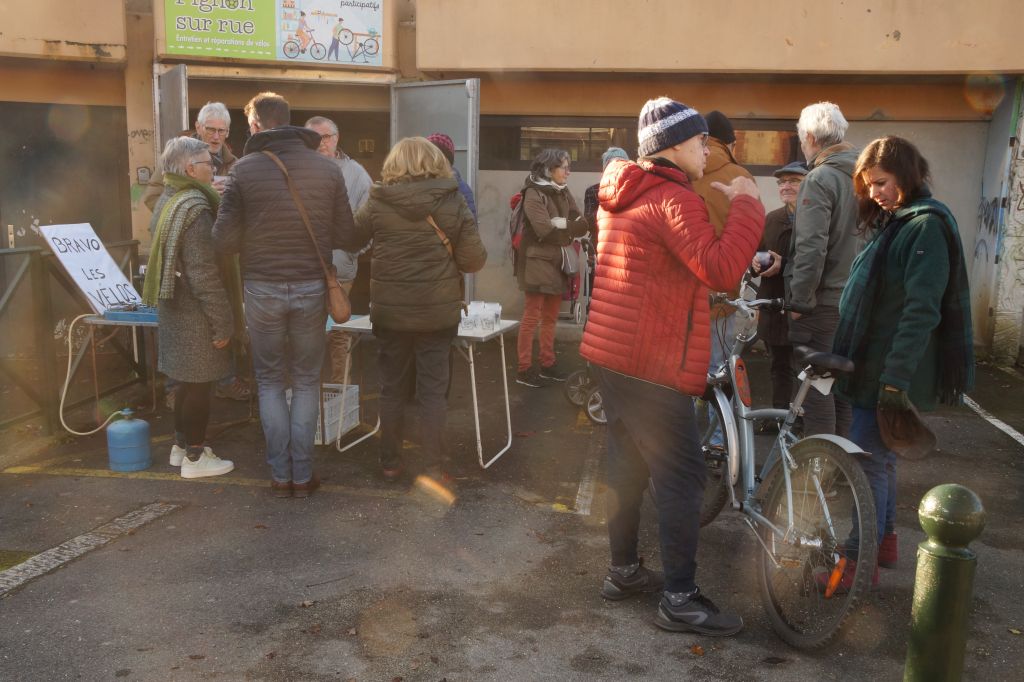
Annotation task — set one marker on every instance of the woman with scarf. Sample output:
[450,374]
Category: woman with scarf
[904,316]
[552,221]
[188,288]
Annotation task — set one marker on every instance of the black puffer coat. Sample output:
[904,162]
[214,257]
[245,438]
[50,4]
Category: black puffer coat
[258,217]
[414,283]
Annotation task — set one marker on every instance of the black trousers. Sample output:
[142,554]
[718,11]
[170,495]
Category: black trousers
[192,411]
[822,413]
[406,360]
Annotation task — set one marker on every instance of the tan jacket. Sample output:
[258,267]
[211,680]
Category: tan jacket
[722,167]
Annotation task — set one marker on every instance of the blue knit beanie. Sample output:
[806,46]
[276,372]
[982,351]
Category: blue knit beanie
[613,153]
[665,122]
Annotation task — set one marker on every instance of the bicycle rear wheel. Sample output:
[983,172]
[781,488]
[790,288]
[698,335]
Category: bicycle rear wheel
[716,460]
[831,502]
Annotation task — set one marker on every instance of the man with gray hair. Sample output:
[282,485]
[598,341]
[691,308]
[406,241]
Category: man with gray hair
[822,248]
[357,184]
[213,125]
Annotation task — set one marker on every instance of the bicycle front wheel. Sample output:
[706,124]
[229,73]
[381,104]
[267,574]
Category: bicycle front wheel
[805,577]
[317,51]
[716,461]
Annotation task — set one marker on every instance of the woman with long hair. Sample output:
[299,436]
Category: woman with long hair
[552,221]
[424,240]
[904,316]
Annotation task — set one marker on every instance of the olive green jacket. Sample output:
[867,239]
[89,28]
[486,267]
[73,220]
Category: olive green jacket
[414,284]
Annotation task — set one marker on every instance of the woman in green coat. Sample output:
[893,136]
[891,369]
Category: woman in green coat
[904,316]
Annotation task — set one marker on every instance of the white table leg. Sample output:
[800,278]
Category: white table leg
[508,408]
[468,354]
[344,394]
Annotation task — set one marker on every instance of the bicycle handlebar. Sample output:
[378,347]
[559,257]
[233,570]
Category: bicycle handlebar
[756,304]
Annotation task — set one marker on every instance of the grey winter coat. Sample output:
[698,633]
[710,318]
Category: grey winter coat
[414,283]
[824,238]
[259,219]
[199,313]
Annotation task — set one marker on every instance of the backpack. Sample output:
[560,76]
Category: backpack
[517,223]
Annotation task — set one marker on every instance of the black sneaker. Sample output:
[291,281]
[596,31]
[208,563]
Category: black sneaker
[553,373]
[530,378]
[616,587]
[695,613]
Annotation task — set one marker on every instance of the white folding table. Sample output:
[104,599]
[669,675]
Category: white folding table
[465,342]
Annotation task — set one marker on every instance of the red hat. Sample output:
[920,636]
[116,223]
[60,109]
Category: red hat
[445,144]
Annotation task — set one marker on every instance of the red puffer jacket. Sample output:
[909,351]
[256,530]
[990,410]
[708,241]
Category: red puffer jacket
[657,256]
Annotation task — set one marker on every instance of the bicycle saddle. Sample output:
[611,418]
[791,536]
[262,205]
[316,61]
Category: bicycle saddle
[822,360]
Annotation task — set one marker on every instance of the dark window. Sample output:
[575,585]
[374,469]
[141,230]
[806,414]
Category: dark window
[511,142]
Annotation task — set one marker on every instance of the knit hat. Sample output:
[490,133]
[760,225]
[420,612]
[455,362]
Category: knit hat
[445,144]
[794,168]
[613,153]
[664,123]
[720,127]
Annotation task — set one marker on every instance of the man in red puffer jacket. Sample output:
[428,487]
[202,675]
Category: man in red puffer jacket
[648,338]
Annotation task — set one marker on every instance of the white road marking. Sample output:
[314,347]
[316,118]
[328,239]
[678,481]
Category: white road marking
[588,483]
[54,558]
[998,423]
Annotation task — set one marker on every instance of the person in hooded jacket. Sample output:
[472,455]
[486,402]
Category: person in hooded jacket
[648,342]
[285,291]
[424,240]
[552,221]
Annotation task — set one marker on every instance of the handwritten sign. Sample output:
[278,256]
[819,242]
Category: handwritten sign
[89,264]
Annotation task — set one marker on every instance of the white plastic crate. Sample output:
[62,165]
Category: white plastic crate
[330,416]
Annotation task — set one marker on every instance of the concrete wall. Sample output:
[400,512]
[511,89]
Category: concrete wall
[856,36]
[92,31]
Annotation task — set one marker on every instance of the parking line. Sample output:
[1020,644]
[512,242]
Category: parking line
[214,480]
[994,421]
[54,558]
[588,483]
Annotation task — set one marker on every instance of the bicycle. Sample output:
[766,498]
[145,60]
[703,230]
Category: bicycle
[365,48]
[292,48]
[809,498]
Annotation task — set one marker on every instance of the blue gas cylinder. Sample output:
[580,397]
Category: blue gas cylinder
[128,443]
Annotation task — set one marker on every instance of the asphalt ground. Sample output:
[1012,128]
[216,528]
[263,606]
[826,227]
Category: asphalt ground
[492,575]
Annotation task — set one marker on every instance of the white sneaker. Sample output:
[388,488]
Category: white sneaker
[208,464]
[177,454]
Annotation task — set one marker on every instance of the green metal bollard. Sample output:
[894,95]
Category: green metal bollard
[951,516]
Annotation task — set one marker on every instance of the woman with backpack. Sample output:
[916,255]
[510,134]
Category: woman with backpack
[552,221]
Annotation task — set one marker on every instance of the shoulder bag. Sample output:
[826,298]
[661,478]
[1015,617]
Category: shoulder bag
[337,302]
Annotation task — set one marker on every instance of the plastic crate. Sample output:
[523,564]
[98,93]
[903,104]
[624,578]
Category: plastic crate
[330,415]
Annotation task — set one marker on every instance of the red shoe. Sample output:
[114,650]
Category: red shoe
[888,551]
[845,582]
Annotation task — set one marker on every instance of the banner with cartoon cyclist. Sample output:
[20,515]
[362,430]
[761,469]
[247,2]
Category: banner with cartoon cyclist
[314,31]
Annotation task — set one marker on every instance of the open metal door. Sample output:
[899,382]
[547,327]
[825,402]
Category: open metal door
[171,100]
[449,107]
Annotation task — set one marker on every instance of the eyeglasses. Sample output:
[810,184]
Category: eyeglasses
[220,132]
[209,161]
[795,182]
[327,136]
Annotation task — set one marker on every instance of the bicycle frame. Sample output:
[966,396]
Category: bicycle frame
[732,396]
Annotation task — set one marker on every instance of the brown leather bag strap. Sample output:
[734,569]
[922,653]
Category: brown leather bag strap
[301,207]
[442,236]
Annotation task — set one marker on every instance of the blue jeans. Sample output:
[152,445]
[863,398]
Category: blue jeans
[287,330]
[880,468]
[652,433]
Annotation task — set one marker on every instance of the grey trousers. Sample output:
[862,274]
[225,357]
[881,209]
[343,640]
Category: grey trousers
[822,413]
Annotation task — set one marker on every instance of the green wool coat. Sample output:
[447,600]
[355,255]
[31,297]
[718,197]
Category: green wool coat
[902,345]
